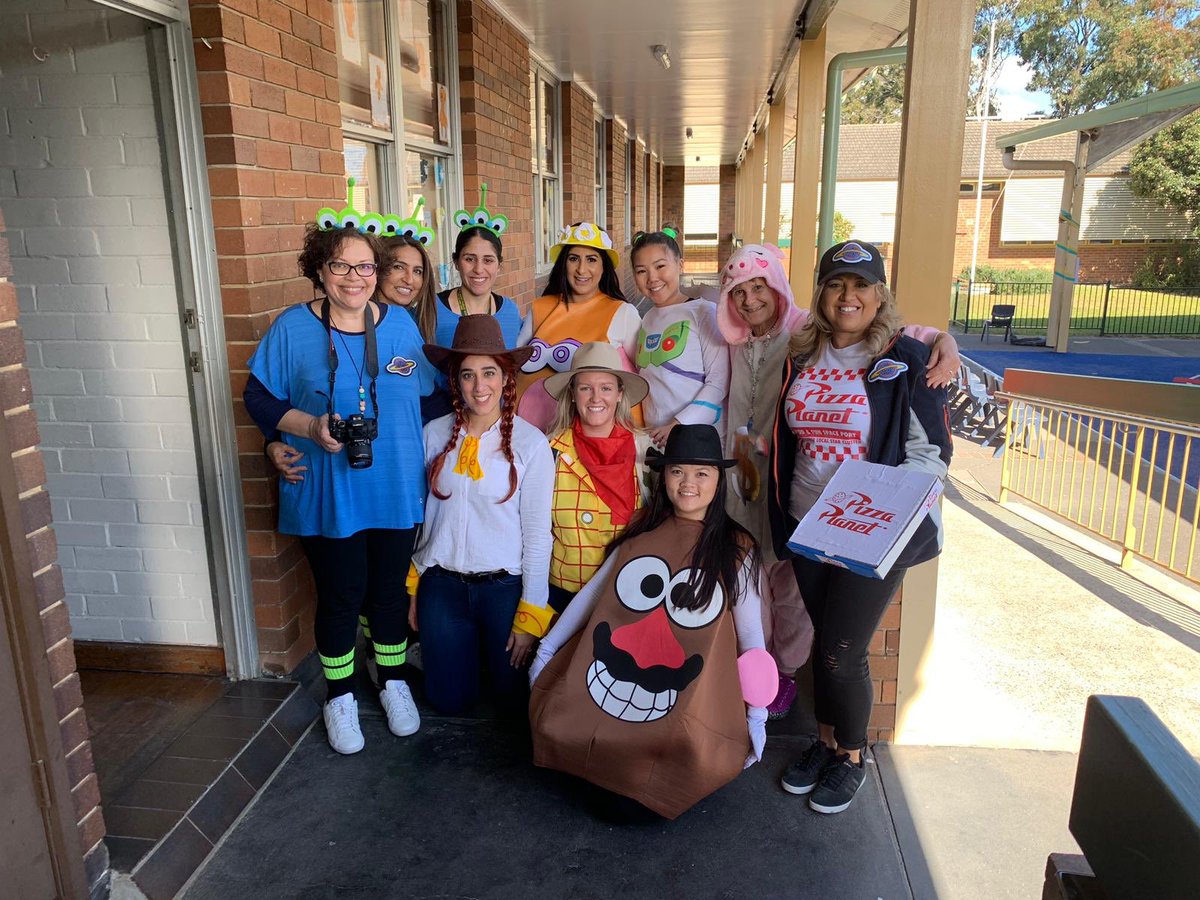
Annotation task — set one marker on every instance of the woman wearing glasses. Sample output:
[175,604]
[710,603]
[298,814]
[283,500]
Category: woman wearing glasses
[342,377]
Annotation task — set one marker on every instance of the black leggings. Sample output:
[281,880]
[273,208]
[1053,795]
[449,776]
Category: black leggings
[363,573]
[845,610]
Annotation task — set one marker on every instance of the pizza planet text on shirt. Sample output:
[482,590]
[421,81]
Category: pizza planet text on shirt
[827,411]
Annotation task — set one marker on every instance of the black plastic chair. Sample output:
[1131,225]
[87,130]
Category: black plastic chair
[1002,317]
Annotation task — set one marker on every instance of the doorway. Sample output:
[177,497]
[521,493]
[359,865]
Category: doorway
[107,219]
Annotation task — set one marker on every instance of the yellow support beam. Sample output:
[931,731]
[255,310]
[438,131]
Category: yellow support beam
[806,177]
[774,198]
[939,56]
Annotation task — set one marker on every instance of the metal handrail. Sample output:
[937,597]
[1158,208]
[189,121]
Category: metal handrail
[1125,477]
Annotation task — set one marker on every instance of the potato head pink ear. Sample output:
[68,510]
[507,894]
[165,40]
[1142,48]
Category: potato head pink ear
[763,261]
[759,676]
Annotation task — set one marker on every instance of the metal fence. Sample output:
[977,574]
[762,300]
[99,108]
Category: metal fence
[1096,308]
[1130,479]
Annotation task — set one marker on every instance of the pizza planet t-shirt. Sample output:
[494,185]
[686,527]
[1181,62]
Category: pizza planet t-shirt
[827,411]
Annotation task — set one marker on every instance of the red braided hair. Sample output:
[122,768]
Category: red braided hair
[508,408]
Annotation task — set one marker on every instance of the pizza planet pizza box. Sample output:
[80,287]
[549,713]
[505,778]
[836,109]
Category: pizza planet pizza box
[865,517]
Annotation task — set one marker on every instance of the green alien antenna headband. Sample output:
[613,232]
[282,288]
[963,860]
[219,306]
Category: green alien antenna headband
[481,217]
[329,219]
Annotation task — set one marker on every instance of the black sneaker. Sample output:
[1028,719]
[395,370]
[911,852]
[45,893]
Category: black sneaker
[839,783]
[801,777]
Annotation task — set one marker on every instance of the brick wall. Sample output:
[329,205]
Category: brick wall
[493,73]
[579,155]
[727,212]
[885,660]
[616,142]
[100,315]
[15,395]
[1097,262]
[272,133]
[672,194]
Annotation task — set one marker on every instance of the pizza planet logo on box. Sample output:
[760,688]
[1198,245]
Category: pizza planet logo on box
[854,512]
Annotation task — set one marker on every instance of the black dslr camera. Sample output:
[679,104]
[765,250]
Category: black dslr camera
[356,433]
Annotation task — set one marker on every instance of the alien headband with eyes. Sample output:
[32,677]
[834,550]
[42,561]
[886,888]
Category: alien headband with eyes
[481,216]
[329,219]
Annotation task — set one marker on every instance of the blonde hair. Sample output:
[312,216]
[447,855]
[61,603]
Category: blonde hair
[566,413]
[809,340]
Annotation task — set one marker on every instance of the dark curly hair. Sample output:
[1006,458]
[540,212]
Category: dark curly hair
[322,246]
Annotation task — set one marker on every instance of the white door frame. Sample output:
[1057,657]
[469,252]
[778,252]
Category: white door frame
[204,331]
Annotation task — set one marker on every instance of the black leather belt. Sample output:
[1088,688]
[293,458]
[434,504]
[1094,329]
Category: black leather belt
[471,577]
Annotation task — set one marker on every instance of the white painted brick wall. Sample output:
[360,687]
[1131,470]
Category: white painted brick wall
[87,228]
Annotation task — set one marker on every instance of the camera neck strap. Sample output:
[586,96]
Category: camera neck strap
[370,354]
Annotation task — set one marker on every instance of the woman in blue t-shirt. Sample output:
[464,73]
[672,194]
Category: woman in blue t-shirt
[342,377]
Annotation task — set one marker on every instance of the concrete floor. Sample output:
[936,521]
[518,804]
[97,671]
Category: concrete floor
[976,823]
[1029,625]
[458,811]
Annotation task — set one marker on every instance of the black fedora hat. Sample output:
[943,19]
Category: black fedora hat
[695,445]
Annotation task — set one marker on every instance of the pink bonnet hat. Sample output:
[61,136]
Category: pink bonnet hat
[763,261]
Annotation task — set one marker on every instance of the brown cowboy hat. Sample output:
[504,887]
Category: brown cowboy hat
[477,335]
[599,356]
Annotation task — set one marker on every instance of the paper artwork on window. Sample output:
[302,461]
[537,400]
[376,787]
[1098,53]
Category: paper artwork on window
[443,114]
[349,31]
[381,116]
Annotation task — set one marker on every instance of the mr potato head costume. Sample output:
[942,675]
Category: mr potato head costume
[644,698]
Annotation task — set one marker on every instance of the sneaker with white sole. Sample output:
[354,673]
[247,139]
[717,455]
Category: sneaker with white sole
[839,783]
[397,699]
[803,775]
[341,724]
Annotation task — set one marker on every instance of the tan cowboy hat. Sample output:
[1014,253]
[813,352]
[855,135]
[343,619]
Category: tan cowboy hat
[476,335]
[599,356]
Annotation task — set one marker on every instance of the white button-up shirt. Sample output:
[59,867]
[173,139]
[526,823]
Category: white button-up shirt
[471,531]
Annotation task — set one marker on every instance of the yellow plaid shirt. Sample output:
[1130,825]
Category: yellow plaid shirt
[581,523]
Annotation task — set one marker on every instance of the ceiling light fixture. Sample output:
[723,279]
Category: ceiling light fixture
[660,53]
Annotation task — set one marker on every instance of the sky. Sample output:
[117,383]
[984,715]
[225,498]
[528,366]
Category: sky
[1014,100]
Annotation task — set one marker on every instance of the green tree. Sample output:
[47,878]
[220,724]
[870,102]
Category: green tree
[1002,12]
[1091,53]
[875,99]
[1166,168]
[842,228]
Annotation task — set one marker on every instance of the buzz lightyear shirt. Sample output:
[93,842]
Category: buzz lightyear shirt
[683,357]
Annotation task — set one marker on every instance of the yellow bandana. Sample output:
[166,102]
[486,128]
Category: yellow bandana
[468,459]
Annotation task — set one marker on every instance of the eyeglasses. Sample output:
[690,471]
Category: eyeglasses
[364,270]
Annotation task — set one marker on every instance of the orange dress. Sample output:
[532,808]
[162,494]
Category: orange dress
[556,329]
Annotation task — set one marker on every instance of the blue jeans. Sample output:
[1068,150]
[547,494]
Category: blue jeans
[464,627]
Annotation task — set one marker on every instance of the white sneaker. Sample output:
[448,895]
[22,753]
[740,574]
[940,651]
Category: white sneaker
[341,723]
[397,699]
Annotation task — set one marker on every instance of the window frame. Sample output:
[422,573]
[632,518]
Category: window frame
[540,74]
[392,146]
[600,170]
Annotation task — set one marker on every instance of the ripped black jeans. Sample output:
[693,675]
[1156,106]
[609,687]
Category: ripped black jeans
[845,610]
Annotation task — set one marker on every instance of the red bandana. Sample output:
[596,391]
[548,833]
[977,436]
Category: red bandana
[610,462]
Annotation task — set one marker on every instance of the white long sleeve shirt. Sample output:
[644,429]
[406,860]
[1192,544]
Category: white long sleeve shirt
[470,531]
[686,361]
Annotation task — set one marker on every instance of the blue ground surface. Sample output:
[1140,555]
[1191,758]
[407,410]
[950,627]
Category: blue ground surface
[1101,365]
[1110,365]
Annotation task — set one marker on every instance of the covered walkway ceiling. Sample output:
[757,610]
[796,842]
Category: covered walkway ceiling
[724,56]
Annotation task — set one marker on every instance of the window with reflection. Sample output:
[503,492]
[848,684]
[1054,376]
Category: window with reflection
[544,133]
